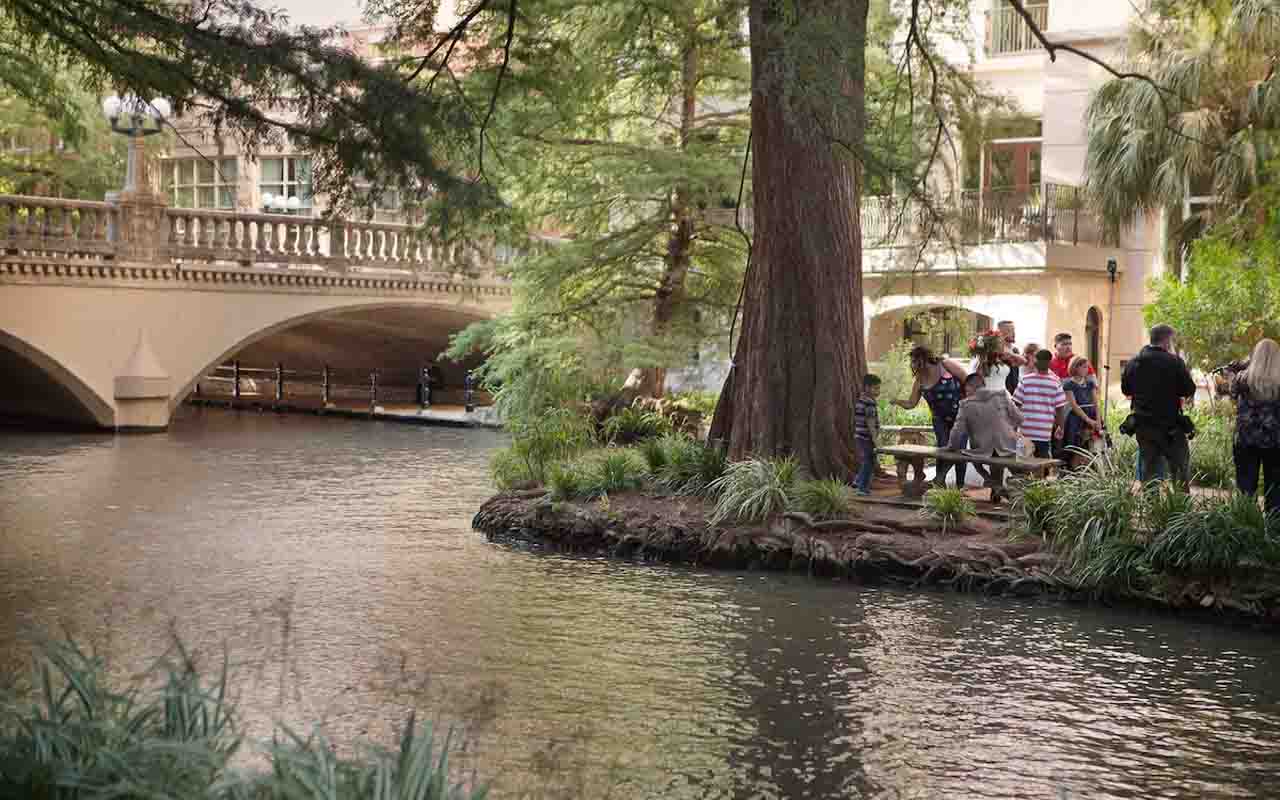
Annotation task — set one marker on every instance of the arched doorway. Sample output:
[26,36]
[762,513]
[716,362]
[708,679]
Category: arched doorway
[1093,337]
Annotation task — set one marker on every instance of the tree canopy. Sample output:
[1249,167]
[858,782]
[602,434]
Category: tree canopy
[1200,117]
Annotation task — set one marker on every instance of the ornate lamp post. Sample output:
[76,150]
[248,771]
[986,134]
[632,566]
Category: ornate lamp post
[136,118]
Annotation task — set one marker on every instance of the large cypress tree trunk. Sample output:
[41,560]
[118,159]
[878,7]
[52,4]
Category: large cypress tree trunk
[801,354]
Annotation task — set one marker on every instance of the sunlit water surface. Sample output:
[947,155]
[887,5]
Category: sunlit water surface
[336,562]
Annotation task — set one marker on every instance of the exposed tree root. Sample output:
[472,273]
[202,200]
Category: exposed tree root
[894,549]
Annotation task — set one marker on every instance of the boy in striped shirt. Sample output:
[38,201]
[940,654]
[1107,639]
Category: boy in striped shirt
[866,426]
[1044,406]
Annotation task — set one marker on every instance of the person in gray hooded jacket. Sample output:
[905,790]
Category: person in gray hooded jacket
[990,421]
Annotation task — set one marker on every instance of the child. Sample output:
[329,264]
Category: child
[1083,425]
[1044,406]
[866,427]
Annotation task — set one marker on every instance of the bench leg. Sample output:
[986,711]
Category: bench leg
[901,467]
[917,487]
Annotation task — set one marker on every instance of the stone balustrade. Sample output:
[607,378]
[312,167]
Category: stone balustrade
[53,228]
[49,226]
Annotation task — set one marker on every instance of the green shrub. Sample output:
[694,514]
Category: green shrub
[1212,459]
[701,402]
[825,499]
[1216,537]
[949,506]
[753,489]
[555,436]
[687,467]
[631,425]
[509,470]
[565,481]
[615,471]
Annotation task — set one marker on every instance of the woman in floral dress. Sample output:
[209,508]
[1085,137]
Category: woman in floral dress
[940,382]
[1257,441]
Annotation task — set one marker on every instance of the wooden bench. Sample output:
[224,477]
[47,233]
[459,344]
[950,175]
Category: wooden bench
[915,456]
[908,434]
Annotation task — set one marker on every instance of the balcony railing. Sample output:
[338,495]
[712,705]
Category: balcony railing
[1054,213]
[1008,32]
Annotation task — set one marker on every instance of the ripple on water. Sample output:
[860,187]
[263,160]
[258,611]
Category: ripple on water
[335,560]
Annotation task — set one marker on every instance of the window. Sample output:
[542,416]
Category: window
[200,182]
[287,176]
[387,206]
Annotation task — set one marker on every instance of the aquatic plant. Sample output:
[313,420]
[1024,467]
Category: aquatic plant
[824,499]
[616,470]
[1095,504]
[753,489]
[538,443]
[951,507]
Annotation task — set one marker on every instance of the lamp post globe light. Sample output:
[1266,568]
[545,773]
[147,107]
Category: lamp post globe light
[279,204]
[136,118]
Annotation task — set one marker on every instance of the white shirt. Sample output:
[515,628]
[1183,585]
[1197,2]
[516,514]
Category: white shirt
[995,379]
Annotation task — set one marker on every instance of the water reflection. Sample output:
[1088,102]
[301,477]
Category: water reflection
[336,560]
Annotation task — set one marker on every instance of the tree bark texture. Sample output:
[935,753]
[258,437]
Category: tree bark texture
[671,288]
[801,358]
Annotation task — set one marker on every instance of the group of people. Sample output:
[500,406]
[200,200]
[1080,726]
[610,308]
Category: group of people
[1052,399]
[1159,383]
[987,407]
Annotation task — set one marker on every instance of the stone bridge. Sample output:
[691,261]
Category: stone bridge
[111,312]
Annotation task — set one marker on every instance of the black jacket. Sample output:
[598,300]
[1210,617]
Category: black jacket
[1156,380]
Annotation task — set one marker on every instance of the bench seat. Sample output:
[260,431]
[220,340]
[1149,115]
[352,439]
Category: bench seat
[915,456]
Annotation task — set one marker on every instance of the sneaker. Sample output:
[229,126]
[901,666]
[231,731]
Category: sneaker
[862,492]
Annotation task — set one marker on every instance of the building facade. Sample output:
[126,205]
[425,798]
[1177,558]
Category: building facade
[1023,249]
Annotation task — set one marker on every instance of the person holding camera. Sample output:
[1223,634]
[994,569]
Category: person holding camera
[1157,380]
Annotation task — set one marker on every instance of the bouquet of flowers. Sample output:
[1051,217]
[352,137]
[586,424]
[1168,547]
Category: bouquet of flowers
[987,348]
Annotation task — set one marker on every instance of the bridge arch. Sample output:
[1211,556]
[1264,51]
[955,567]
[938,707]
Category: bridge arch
[445,316]
[40,386]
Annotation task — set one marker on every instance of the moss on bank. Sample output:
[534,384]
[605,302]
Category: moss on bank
[886,545]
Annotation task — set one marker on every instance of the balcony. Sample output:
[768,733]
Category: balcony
[1053,214]
[1007,33]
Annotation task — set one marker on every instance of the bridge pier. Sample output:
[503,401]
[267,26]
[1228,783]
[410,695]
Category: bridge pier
[142,391]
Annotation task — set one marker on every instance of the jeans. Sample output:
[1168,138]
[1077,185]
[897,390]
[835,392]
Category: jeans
[1249,461]
[942,431]
[1163,453]
[867,467]
[1042,449]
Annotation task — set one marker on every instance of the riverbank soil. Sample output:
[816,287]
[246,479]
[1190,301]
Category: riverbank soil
[882,543]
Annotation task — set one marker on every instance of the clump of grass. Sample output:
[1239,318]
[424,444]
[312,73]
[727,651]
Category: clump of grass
[824,499]
[1221,536]
[171,734]
[631,425]
[1161,503]
[753,489]
[310,769]
[564,481]
[654,453]
[684,466]
[1033,506]
[951,507]
[618,470]
[1095,504]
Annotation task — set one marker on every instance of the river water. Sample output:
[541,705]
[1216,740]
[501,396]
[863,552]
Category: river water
[335,561]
